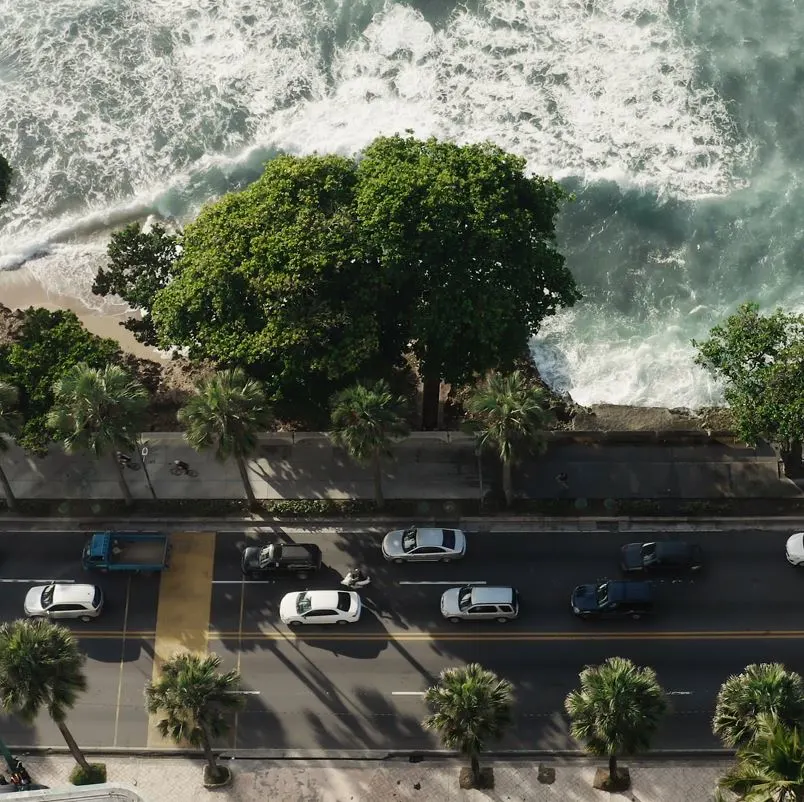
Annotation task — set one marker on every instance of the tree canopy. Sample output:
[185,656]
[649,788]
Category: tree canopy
[140,264]
[5,178]
[761,360]
[327,268]
[50,343]
[468,241]
[274,279]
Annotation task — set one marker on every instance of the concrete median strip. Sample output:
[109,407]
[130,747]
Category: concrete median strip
[185,599]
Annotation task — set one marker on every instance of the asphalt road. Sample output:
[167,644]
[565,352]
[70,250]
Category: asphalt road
[360,687]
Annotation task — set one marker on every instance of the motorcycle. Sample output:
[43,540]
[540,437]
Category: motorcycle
[359,581]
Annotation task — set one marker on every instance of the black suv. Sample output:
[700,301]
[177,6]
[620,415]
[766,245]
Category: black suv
[613,599]
[662,558]
[264,562]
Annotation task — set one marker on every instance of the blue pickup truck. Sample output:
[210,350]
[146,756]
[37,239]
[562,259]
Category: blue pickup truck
[127,551]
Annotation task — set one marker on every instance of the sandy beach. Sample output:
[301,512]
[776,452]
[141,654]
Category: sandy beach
[20,290]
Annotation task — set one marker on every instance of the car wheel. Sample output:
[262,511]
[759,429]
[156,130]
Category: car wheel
[636,616]
[398,561]
[85,618]
[455,620]
[302,575]
[446,559]
[294,623]
[502,620]
[342,622]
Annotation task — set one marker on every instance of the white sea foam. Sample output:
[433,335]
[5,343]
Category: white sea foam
[117,110]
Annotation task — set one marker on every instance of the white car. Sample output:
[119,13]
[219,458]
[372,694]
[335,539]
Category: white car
[795,549]
[424,545]
[63,601]
[320,607]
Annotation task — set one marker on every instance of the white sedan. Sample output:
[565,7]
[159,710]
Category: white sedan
[795,549]
[320,607]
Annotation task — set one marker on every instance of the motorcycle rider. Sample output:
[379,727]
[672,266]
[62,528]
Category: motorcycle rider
[355,577]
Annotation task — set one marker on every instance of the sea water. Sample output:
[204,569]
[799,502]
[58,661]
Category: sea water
[678,126]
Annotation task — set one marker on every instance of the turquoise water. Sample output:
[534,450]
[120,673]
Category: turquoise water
[677,125]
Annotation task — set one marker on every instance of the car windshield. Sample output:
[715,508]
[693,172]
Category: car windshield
[409,540]
[304,603]
[464,598]
[649,552]
[344,601]
[449,539]
[47,595]
[602,595]
[96,598]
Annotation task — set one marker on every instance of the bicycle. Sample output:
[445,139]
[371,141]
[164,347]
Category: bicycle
[178,470]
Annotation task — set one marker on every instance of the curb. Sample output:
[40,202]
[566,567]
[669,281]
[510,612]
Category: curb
[367,755]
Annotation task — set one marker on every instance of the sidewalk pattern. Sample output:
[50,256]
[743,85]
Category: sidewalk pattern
[179,780]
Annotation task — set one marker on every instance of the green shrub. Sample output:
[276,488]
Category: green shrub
[95,775]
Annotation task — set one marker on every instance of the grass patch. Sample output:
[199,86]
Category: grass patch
[95,775]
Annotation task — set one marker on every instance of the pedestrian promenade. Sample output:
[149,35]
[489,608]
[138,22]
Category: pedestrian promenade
[427,465]
[179,780]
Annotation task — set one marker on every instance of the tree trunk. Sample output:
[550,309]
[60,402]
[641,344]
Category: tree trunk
[508,488]
[209,755]
[475,764]
[431,390]
[241,466]
[792,460]
[11,499]
[121,481]
[612,767]
[75,750]
[379,499]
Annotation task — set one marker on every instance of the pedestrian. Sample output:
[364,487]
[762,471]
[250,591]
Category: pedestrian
[122,458]
[181,465]
[563,480]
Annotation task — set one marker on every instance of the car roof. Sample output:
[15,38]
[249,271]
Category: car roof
[496,595]
[324,599]
[73,594]
[430,537]
[623,590]
[673,548]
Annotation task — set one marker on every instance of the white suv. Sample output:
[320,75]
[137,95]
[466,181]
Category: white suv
[480,603]
[795,549]
[62,601]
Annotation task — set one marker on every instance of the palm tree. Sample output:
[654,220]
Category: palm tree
[471,705]
[365,421]
[771,767]
[41,666]
[228,411]
[509,414]
[193,696]
[99,410]
[617,709]
[761,688]
[10,423]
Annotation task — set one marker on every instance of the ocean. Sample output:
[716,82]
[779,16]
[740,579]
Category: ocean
[679,127]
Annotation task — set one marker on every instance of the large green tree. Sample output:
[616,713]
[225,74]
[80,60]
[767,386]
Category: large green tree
[192,698]
[760,358]
[227,412]
[140,264]
[100,411]
[616,711]
[10,424]
[275,279]
[471,706]
[771,768]
[366,419]
[47,346]
[5,178]
[468,242]
[762,688]
[42,667]
[509,413]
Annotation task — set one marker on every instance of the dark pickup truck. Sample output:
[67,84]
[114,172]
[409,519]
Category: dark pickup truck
[264,562]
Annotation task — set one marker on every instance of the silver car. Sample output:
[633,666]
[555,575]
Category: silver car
[480,603]
[424,545]
[63,601]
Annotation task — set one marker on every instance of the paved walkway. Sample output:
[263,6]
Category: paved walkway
[179,780]
[428,465]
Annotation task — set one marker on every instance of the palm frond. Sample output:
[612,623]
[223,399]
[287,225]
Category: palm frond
[10,419]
